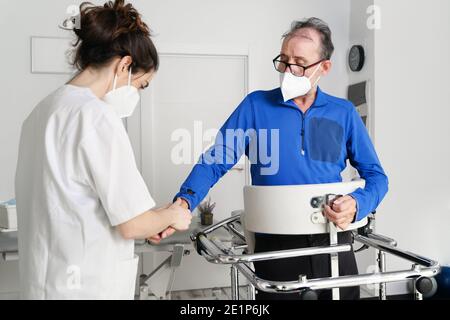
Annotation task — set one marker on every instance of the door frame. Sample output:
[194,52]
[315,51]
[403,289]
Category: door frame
[139,127]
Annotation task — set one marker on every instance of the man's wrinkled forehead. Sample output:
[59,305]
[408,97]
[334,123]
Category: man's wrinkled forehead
[303,44]
[306,34]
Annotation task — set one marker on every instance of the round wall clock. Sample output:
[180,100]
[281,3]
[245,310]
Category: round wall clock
[356,58]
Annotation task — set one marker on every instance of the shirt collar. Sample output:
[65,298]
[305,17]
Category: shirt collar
[320,101]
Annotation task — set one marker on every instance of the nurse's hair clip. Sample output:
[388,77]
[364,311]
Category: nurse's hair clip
[70,23]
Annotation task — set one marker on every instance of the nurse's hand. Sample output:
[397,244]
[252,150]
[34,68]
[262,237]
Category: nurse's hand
[156,239]
[342,212]
[167,233]
[180,216]
[170,231]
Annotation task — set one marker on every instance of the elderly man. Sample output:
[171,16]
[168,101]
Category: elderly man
[316,134]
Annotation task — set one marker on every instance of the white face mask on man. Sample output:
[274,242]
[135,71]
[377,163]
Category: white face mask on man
[293,86]
[123,100]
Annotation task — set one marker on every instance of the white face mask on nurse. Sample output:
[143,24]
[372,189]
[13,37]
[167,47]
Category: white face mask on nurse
[117,84]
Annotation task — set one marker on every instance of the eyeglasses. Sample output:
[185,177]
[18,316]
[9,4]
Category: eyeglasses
[296,69]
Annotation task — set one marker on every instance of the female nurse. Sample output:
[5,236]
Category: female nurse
[81,200]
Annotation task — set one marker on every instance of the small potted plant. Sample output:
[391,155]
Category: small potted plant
[206,212]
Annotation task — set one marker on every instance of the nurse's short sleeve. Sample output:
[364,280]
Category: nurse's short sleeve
[110,167]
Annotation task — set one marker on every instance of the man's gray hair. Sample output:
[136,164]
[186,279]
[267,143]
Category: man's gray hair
[321,27]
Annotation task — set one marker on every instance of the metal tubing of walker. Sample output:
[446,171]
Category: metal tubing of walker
[428,268]
[417,294]
[215,255]
[415,258]
[327,283]
[216,252]
[382,268]
[233,230]
[221,224]
[380,238]
[334,258]
[251,292]
[234,283]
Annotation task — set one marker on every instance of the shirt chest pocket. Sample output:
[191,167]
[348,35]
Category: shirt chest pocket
[325,140]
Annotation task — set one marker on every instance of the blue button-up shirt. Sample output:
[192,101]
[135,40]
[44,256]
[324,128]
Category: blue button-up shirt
[289,147]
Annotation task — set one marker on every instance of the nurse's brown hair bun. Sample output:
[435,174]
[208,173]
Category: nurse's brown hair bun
[129,20]
[113,30]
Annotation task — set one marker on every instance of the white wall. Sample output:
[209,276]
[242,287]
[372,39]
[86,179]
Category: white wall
[361,35]
[412,124]
[257,24]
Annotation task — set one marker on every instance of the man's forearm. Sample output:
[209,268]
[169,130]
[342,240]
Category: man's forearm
[369,198]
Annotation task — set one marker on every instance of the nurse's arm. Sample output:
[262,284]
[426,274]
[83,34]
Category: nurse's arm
[153,222]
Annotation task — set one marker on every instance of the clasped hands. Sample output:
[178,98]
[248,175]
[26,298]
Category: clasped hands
[156,239]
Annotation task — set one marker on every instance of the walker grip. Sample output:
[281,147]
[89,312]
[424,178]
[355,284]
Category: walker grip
[198,243]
